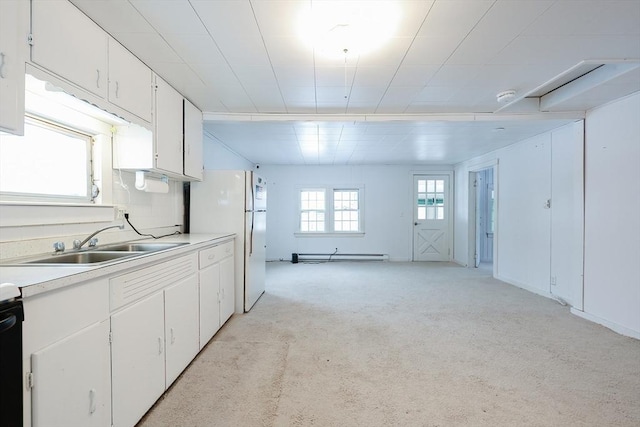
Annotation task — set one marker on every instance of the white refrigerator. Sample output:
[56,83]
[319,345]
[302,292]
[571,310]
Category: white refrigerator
[235,201]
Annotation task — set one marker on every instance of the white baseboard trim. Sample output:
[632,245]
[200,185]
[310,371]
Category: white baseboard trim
[622,330]
[527,287]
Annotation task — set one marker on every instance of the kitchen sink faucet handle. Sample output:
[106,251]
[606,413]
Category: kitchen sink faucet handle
[58,246]
[93,242]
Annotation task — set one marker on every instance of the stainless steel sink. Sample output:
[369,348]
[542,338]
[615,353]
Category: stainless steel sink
[140,247]
[93,257]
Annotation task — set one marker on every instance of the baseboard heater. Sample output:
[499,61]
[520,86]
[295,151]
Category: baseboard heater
[295,258]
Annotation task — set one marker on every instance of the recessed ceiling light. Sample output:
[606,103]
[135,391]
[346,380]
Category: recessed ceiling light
[360,27]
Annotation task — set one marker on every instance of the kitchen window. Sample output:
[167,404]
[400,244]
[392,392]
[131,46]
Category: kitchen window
[49,163]
[330,211]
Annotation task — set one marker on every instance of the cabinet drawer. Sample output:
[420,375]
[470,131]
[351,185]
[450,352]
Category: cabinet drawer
[140,283]
[215,254]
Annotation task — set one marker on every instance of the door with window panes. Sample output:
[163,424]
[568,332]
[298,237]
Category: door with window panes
[431,233]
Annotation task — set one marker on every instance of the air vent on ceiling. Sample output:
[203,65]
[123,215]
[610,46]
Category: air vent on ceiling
[583,86]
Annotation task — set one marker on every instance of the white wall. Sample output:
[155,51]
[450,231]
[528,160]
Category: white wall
[218,156]
[523,239]
[388,210]
[612,216]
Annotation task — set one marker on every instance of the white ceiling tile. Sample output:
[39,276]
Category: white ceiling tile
[431,50]
[267,99]
[256,76]
[295,76]
[279,18]
[374,76]
[329,94]
[414,75]
[334,76]
[195,48]
[454,19]
[115,16]
[454,75]
[370,95]
[174,17]
[288,52]
[298,94]
[589,17]
[390,54]
[436,94]
[149,47]
[215,75]
[178,75]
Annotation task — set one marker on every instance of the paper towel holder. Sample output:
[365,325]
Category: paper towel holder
[148,185]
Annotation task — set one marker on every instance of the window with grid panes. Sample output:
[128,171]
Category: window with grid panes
[312,211]
[331,210]
[346,210]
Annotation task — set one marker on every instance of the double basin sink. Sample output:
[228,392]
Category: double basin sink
[99,255]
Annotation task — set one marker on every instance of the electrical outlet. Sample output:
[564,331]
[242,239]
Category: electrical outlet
[120,211]
[553,280]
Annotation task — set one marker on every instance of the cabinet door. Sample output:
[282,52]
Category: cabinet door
[72,385]
[70,44]
[168,124]
[209,302]
[13,42]
[192,141]
[129,82]
[181,326]
[227,292]
[137,359]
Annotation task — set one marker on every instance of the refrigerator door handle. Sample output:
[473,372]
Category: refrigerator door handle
[251,236]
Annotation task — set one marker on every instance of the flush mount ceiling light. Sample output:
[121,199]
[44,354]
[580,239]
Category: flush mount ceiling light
[330,27]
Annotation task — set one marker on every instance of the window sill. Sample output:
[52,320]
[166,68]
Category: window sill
[358,234]
[15,214]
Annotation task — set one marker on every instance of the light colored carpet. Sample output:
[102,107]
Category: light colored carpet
[405,344]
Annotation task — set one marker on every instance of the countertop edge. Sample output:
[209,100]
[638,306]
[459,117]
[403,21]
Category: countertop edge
[35,280]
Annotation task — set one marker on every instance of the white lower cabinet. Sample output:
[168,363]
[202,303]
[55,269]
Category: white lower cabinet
[137,359]
[72,385]
[227,291]
[101,353]
[217,297]
[209,302]
[181,326]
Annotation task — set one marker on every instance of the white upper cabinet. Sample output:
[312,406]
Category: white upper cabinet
[14,18]
[130,82]
[68,43]
[168,129]
[192,141]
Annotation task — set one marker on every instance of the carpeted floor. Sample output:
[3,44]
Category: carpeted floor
[404,344]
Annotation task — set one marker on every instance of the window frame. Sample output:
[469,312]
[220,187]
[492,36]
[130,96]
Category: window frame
[329,210]
[89,197]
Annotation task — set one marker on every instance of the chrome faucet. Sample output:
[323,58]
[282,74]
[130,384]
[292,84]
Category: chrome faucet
[77,244]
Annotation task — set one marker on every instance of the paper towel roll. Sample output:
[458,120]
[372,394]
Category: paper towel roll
[150,185]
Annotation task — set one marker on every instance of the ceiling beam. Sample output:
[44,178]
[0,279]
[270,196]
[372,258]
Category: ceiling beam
[355,118]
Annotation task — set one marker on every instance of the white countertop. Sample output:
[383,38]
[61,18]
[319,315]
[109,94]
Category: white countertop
[33,279]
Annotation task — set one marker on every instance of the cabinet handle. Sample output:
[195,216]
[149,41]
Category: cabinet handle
[92,400]
[98,79]
[117,87]
[173,338]
[159,345]
[1,65]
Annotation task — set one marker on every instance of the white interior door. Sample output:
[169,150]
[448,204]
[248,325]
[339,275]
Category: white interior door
[431,231]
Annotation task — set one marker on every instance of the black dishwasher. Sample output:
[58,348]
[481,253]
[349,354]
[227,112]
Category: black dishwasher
[11,318]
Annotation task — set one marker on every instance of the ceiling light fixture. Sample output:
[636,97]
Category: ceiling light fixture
[330,27]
